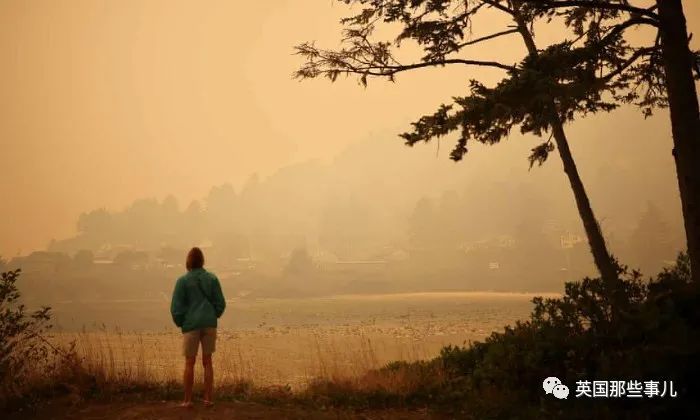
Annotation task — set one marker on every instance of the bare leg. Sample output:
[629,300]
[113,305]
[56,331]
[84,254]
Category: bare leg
[208,377]
[188,378]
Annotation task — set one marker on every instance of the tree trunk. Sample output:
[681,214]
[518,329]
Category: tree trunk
[596,241]
[601,257]
[685,120]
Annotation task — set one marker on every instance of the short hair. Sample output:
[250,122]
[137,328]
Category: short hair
[195,259]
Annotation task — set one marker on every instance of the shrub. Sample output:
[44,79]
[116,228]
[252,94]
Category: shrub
[626,329]
[22,346]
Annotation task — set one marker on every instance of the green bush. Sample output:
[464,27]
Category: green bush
[23,349]
[626,329]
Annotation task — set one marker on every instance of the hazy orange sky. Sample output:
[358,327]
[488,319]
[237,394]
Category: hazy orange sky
[104,102]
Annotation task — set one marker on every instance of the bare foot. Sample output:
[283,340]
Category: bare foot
[208,403]
[186,404]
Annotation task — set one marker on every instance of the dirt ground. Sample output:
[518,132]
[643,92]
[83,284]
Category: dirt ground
[170,410]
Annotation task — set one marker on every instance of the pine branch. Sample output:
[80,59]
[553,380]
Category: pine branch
[488,37]
[595,4]
[631,60]
[399,68]
[496,4]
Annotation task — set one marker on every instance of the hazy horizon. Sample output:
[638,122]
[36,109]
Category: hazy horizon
[106,105]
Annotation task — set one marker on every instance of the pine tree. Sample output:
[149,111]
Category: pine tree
[546,89]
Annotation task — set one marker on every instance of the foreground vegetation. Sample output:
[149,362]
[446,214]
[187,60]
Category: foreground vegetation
[628,329]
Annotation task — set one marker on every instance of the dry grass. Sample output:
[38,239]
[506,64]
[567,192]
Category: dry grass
[339,371]
[326,351]
[111,365]
[293,357]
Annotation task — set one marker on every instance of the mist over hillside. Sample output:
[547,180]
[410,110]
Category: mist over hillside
[378,218]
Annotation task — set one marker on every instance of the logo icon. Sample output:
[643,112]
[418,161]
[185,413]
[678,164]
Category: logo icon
[553,385]
[561,391]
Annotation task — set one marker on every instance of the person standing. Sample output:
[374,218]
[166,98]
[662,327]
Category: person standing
[196,305]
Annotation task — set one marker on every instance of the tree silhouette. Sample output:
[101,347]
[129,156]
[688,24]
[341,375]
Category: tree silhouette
[421,230]
[547,88]
[300,262]
[96,222]
[661,69]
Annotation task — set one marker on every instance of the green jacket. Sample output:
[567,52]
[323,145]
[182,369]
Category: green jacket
[192,310]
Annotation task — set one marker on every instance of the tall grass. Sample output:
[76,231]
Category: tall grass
[330,367]
[326,364]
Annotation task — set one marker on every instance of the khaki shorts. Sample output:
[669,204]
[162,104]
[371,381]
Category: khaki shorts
[191,340]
